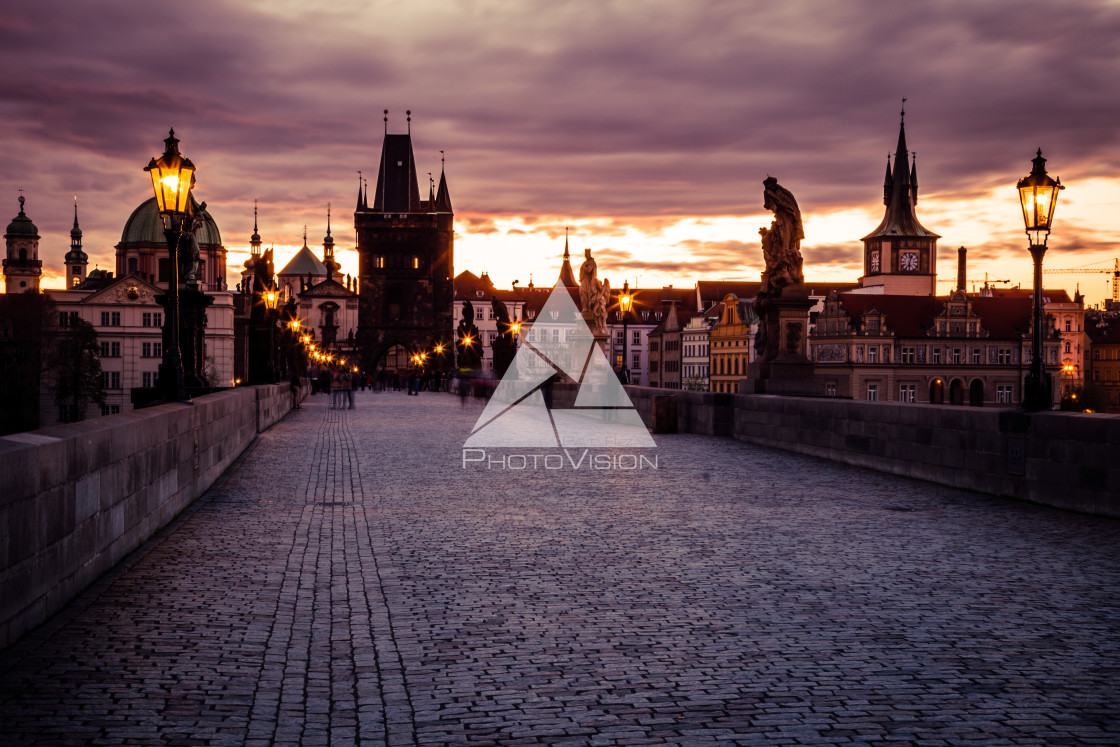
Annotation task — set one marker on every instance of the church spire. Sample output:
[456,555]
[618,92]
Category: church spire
[328,248]
[888,183]
[361,198]
[255,239]
[76,260]
[443,196]
[566,275]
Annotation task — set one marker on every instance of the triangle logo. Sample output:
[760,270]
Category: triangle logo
[559,342]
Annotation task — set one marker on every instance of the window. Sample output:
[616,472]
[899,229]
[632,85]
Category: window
[490,313]
[1003,394]
[146,319]
[956,356]
[491,337]
[636,338]
[133,265]
[936,353]
[906,393]
[379,263]
[1003,356]
[1096,355]
[1097,375]
[149,379]
[872,392]
[1067,325]
[1067,348]
[67,318]
[908,355]
[478,313]
[830,389]
[873,354]
[977,356]
[110,379]
[653,364]
[636,360]
[618,338]
[653,345]
[110,349]
[151,350]
[110,409]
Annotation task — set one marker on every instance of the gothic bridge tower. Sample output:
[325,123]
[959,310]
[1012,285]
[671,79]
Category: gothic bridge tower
[405,256]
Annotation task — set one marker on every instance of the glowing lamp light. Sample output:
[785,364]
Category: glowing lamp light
[626,301]
[294,324]
[439,349]
[271,297]
[172,178]
[1038,194]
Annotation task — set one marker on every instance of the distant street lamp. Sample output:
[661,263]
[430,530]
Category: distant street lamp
[1038,194]
[625,303]
[172,180]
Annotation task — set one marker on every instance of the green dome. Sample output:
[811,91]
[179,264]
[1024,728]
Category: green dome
[21,226]
[145,226]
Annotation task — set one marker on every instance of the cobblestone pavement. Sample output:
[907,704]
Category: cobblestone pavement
[349,582]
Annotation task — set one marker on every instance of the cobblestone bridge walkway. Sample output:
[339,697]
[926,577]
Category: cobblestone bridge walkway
[349,582]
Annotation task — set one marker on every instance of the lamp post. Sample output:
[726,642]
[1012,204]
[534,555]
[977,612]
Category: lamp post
[271,298]
[1038,194]
[172,179]
[625,303]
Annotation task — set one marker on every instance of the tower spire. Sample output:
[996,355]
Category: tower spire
[567,277]
[75,260]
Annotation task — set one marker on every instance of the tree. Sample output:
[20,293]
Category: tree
[75,361]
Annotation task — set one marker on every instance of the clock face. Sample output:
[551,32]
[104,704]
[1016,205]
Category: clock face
[875,261]
[908,261]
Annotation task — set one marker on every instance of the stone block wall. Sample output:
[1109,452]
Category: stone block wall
[75,499]
[1060,459]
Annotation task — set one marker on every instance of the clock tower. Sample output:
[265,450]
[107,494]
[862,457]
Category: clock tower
[900,256]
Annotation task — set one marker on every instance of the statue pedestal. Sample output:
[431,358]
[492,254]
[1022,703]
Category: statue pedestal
[784,366]
[601,338]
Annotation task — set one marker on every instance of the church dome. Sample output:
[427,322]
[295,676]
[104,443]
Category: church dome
[145,226]
[22,227]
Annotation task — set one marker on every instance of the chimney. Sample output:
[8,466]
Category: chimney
[961,274]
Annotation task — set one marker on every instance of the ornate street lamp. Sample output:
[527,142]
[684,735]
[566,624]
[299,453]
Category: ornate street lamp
[625,303]
[172,179]
[1038,194]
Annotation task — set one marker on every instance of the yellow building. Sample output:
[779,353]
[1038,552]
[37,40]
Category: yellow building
[730,342]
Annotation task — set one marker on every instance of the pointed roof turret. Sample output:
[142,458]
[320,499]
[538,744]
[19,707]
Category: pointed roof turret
[914,178]
[397,190]
[361,199]
[566,275]
[443,196]
[900,218]
[888,183]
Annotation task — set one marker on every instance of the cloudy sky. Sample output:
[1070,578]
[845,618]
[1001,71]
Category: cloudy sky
[645,127]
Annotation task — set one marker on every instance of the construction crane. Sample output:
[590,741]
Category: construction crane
[1115,272]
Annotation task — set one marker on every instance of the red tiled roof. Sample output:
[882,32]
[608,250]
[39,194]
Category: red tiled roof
[913,316]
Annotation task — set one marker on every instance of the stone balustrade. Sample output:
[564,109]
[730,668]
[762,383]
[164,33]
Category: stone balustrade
[76,498]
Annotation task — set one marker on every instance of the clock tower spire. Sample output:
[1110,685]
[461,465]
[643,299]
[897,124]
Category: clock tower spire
[900,255]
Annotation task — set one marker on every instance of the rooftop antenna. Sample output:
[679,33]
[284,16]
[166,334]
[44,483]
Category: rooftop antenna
[408,113]
[386,121]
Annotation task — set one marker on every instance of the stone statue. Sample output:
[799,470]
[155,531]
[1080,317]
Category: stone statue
[503,347]
[468,343]
[190,264]
[781,243]
[593,296]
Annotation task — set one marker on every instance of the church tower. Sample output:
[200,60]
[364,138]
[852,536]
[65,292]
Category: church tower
[328,249]
[901,254]
[405,254]
[76,260]
[22,266]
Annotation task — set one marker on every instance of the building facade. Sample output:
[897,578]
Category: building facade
[730,341]
[958,350]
